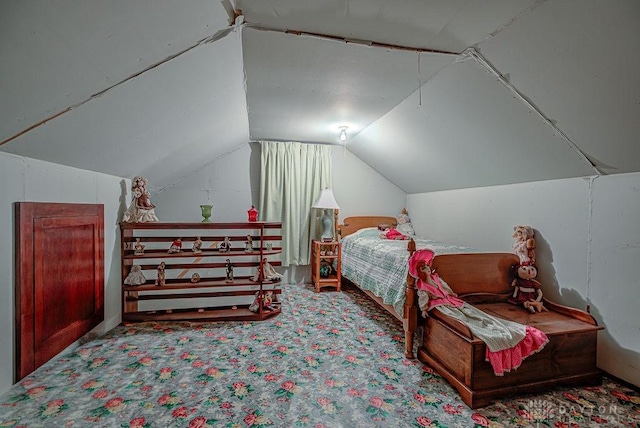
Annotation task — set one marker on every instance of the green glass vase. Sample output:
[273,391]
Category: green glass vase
[206,213]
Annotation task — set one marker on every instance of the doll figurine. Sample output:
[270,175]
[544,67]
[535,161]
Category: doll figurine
[527,290]
[141,209]
[256,277]
[389,232]
[138,248]
[267,301]
[135,277]
[160,279]
[255,306]
[225,245]
[525,244]
[229,271]
[197,245]
[176,246]
[269,272]
[248,244]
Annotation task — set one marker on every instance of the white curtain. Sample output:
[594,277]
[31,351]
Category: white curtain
[291,177]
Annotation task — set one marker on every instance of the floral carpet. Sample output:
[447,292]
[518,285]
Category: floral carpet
[330,359]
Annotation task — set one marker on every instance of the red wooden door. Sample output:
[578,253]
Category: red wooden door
[59,278]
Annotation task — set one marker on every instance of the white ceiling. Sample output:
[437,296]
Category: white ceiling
[129,88]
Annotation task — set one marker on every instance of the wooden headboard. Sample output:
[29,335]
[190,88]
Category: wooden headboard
[353,224]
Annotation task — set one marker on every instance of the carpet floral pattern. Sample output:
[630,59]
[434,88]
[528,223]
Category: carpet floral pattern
[328,360]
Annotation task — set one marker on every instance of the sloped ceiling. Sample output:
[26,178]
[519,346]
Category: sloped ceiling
[549,90]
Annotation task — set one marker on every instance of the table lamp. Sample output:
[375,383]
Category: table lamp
[326,201]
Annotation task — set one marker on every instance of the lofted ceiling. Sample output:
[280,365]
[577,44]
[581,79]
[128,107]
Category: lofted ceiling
[436,94]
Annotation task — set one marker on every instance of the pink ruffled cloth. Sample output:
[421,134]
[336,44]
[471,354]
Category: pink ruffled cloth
[510,359]
[393,234]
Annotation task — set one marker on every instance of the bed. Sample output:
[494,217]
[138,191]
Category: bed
[379,267]
[448,345]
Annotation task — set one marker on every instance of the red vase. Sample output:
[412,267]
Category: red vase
[253,213]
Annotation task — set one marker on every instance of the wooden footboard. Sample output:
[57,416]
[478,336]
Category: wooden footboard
[411,310]
[410,317]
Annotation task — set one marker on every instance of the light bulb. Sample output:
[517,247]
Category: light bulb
[343,133]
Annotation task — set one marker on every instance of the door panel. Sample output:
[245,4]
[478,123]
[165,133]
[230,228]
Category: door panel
[59,278]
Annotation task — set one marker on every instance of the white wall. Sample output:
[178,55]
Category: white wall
[588,246]
[231,184]
[28,180]
[361,190]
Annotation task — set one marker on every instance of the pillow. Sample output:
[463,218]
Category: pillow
[404,224]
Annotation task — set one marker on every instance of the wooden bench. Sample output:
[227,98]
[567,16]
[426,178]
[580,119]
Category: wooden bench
[455,353]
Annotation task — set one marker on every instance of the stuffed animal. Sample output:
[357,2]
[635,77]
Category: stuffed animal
[527,290]
[525,243]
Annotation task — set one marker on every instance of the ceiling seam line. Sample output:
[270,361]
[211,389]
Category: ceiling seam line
[473,53]
[369,43]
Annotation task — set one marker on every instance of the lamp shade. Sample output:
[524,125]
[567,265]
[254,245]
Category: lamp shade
[326,200]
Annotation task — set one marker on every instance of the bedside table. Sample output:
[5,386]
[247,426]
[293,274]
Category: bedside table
[325,253]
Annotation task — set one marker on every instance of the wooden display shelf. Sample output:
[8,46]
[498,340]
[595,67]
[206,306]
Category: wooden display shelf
[158,237]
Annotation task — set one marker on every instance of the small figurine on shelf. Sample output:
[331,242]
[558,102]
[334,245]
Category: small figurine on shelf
[253,213]
[195,277]
[135,277]
[160,279]
[229,271]
[141,209]
[248,244]
[255,306]
[269,272]
[225,245]
[256,277]
[176,246]
[138,248]
[269,246]
[197,245]
[267,301]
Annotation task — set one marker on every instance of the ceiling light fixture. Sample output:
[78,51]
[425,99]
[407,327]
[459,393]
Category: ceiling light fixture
[343,133]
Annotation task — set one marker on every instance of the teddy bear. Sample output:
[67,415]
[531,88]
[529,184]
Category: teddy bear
[525,243]
[527,290]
